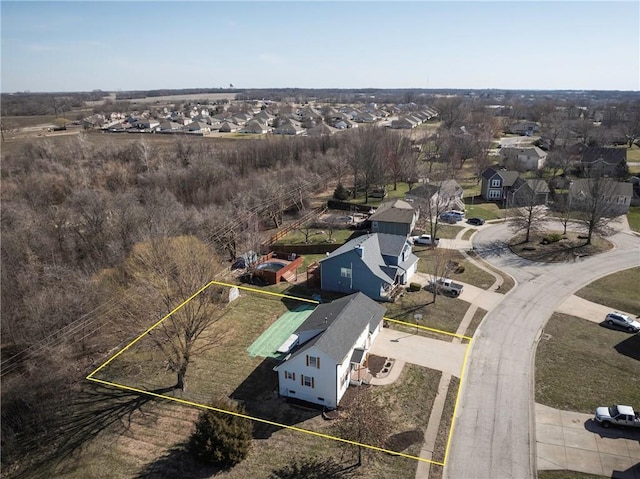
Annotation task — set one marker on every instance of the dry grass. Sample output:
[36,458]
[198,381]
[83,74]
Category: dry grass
[581,365]
[445,314]
[618,291]
[567,475]
[444,430]
[471,274]
[569,248]
[475,322]
[507,281]
[155,447]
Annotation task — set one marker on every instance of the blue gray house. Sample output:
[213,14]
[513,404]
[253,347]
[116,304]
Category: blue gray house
[394,217]
[375,264]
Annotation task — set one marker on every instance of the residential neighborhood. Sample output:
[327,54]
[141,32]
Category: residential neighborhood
[348,282]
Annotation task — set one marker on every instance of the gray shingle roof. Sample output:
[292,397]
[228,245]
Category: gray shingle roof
[341,322]
[613,156]
[397,211]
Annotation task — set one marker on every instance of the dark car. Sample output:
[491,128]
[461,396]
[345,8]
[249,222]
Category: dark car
[476,221]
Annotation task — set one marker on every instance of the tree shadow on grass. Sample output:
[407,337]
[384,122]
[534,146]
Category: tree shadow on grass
[177,463]
[95,409]
[259,395]
[403,440]
[630,347]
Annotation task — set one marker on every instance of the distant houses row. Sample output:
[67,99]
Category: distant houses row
[301,121]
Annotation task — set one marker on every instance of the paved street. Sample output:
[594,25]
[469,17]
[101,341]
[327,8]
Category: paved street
[494,436]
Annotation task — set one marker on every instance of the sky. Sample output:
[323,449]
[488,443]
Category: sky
[145,45]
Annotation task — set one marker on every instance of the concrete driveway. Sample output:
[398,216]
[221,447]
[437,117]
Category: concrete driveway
[594,312]
[414,349]
[573,441]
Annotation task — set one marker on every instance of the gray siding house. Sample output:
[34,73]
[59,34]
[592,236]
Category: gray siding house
[374,264]
[496,183]
[394,217]
[329,350]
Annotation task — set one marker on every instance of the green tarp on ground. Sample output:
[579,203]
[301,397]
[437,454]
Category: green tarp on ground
[267,344]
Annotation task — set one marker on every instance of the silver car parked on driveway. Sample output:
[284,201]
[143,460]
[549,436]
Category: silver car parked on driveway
[623,321]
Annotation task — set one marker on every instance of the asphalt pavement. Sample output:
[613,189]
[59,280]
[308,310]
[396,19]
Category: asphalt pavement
[494,433]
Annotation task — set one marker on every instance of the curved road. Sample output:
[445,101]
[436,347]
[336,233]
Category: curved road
[492,436]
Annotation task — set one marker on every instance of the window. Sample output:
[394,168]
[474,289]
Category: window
[288,375]
[313,362]
[494,194]
[495,183]
[345,272]
[307,381]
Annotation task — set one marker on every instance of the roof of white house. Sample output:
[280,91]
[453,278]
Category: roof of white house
[339,324]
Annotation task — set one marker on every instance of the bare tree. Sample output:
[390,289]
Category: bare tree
[526,214]
[441,266]
[366,159]
[161,275]
[365,421]
[593,201]
[451,111]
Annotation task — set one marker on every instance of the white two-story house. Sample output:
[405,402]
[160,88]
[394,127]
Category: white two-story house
[329,350]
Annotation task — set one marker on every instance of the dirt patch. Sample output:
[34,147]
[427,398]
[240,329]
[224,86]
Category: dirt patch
[376,364]
[555,247]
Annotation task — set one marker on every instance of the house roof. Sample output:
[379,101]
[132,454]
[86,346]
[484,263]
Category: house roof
[321,129]
[373,246]
[612,156]
[340,324]
[538,186]
[444,187]
[612,187]
[397,211]
[529,151]
[508,177]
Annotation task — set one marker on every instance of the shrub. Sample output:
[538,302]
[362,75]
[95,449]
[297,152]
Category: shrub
[221,439]
[552,238]
[340,193]
[415,286]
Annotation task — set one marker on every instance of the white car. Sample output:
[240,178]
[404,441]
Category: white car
[425,240]
[623,321]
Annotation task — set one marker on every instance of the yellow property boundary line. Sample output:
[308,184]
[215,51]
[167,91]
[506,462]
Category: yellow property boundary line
[124,387]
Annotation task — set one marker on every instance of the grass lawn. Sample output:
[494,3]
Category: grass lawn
[634,218]
[581,365]
[633,154]
[227,370]
[471,274]
[482,209]
[507,280]
[618,291]
[316,236]
[392,194]
[567,475]
[570,247]
[445,314]
[435,472]
[475,322]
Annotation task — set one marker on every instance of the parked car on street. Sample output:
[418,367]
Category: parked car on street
[622,321]
[476,221]
[617,416]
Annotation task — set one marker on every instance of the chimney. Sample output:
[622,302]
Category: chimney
[360,250]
